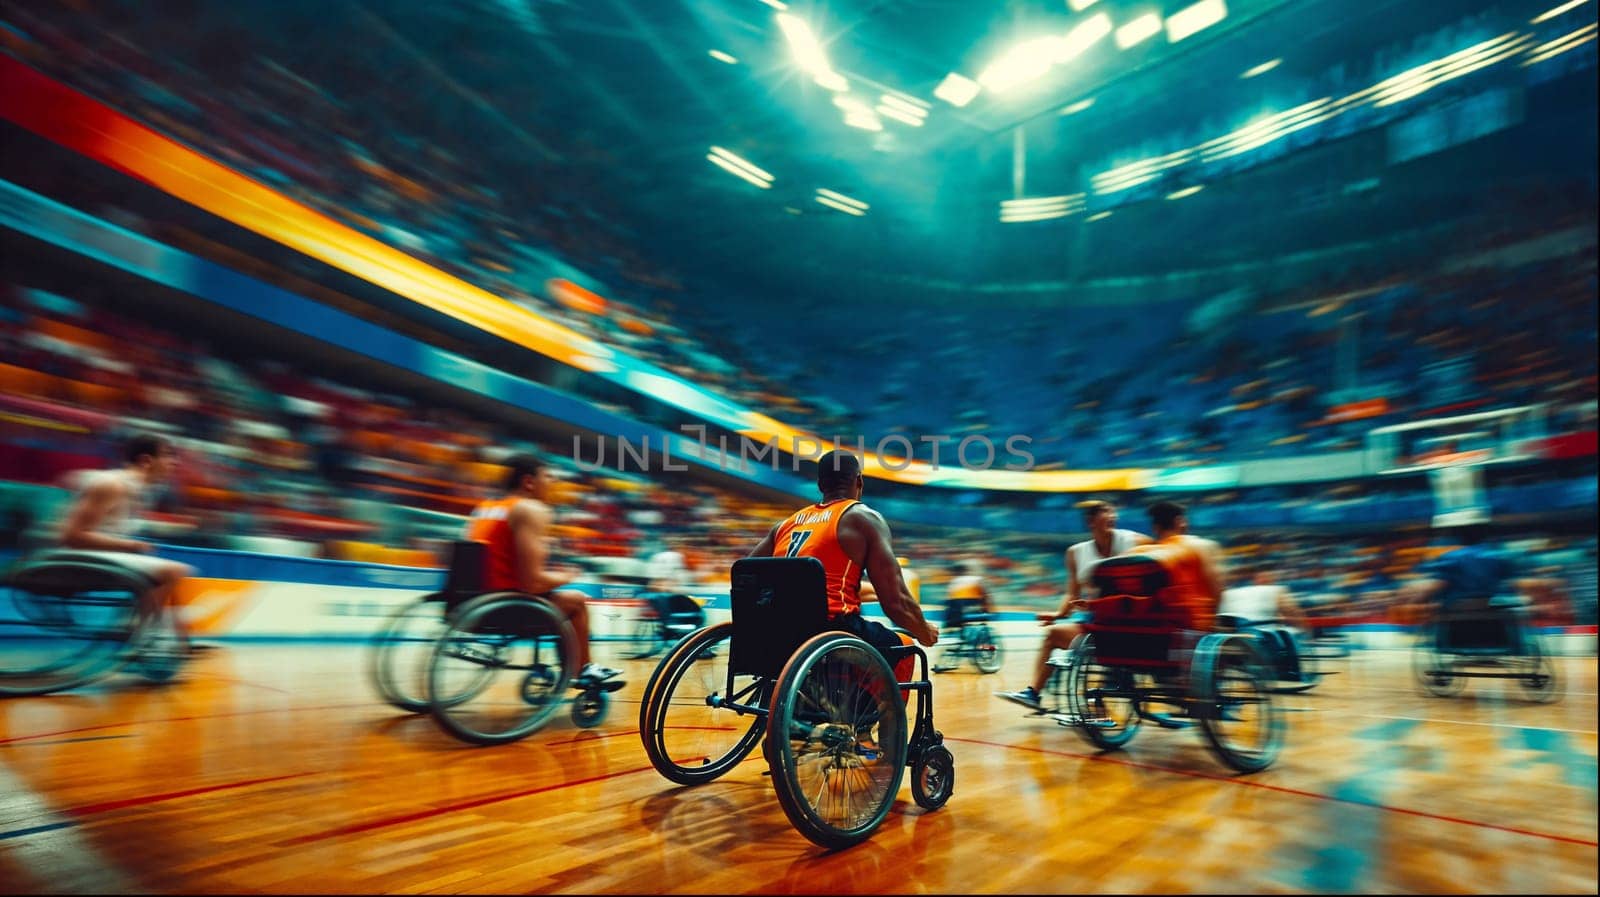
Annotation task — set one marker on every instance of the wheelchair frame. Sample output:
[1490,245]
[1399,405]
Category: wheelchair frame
[1141,636]
[1451,648]
[69,580]
[470,615]
[972,643]
[771,697]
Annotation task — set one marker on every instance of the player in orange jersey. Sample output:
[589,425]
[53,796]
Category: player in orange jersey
[851,539]
[516,527]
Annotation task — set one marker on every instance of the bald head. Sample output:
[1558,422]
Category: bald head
[839,474]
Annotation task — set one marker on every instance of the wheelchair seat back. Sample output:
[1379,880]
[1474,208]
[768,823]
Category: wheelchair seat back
[465,576]
[1131,623]
[778,603]
[682,615]
[1476,626]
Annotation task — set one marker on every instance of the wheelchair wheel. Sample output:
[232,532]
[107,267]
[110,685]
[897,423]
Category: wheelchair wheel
[65,638]
[647,640]
[985,648]
[1234,703]
[158,649]
[397,659]
[589,708]
[1104,700]
[837,735]
[687,740]
[1433,669]
[933,777]
[1284,665]
[1539,678]
[501,668]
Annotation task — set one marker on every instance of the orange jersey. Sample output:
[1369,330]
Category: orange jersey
[813,532]
[1187,588]
[490,525]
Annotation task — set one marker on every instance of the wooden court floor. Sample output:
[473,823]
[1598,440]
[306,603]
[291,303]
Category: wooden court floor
[275,769]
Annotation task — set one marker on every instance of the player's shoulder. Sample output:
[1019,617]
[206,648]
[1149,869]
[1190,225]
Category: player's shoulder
[104,482]
[529,509]
[861,514]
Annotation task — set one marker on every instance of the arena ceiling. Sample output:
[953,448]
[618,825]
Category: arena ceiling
[629,97]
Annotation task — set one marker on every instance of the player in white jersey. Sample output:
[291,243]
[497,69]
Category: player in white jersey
[1105,541]
[104,516]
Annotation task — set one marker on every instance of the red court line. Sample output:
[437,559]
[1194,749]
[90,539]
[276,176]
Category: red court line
[143,800]
[1248,783]
[431,812]
[178,719]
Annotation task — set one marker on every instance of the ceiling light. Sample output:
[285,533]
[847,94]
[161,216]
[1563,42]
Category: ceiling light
[1562,44]
[839,206]
[1083,36]
[957,90]
[888,111]
[1040,208]
[1186,191]
[840,197]
[1023,62]
[1196,18]
[803,44]
[1077,107]
[866,122]
[1080,5]
[908,106]
[737,172]
[1139,30]
[1552,13]
[1099,216]
[1261,69]
[833,81]
[737,163]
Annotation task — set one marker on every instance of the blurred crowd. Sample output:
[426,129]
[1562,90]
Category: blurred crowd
[277,460]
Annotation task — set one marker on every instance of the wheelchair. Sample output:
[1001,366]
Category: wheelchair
[824,704]
[490,667]
[667,619]
[70,618]
[1136,655]
[976,642]
[1483,638]
[1297,664]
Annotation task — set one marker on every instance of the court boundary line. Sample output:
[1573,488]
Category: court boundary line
[432,812]
[1247,783]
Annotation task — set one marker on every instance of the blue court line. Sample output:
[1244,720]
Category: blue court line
[38,829]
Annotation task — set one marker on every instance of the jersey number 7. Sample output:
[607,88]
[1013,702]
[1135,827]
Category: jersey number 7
[797,539]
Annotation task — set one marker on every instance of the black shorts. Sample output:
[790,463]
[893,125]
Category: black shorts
[956,610]
[870,631]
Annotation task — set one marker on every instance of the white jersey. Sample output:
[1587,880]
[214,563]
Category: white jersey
[122,518]
[667,568]
[1252,603]
[1087,556]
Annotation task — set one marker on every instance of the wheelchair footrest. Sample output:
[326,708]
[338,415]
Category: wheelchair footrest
[608,685]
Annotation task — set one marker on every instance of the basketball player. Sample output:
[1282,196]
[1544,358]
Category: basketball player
[966,595]
[850,539]
[1105,541]
[104,515]
[1261,605]
[869,595]
[1193,564]
[516,527]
